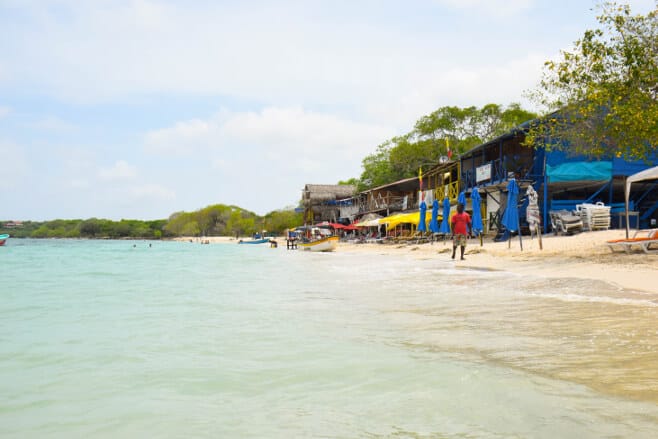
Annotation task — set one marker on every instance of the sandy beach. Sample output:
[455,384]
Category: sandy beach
[583,255]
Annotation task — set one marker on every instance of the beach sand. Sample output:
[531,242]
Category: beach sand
[583,255]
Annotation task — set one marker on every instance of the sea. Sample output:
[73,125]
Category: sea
[154,339]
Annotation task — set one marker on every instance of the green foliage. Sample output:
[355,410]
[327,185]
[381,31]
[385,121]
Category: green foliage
[280,220]
[448,128]
[605,91]
[222,220]
[215,220]
[349,182]
[90,228]
[377,168]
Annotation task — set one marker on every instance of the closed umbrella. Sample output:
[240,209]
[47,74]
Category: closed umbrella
[461,199]
[445,226]
[533,215]
[434,224]
[511,215]
[423,213]
[477,226]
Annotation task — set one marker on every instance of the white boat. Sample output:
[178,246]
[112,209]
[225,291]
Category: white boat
[327,244]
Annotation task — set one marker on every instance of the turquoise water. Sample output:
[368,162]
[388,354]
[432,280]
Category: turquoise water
[120,339]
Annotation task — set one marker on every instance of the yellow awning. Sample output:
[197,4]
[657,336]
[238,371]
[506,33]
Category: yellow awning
[406,218]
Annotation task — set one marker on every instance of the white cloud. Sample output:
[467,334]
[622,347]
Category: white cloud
[184,137]
[54,124]
[152,191]
[78,183]
[121,170]
[500,8]
[489,83]
[15,166]
[291,136]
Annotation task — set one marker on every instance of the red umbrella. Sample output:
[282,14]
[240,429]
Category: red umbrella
[334,225]
[351,227]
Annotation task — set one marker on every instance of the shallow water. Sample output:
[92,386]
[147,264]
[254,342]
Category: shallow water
[103,339]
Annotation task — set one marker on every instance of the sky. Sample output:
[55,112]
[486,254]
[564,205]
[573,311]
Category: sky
[138,109]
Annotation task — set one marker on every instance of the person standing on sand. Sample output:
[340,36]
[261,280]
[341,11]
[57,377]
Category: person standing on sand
[461,223]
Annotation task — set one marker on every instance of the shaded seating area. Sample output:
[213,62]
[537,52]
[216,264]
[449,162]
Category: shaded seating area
[565,222]
[642,240]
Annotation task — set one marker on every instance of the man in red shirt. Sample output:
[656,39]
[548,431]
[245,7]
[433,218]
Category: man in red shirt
[461,222]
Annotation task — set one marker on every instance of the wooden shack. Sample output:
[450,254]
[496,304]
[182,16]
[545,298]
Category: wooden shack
[323,202]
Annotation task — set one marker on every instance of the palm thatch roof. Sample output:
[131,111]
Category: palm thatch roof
[314,194]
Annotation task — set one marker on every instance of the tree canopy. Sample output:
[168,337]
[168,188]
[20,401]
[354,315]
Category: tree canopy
[601,98]
[215,220]
[447,131]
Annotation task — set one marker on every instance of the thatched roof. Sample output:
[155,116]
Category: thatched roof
[319,193]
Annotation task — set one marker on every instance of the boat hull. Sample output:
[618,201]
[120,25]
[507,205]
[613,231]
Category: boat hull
[320,245]
[3,239]
[255,241]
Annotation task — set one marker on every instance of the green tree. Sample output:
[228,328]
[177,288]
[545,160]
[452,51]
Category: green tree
[602,97]
[280,220]
[90,227]
[449,128]
[377,168]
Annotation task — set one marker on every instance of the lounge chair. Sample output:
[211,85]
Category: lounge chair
[563,221]
[643,242]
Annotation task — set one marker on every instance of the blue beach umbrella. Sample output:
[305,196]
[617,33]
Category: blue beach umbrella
[511,215]
[477,216]
[423,212]
[445,226]
[461,199]
[434,224]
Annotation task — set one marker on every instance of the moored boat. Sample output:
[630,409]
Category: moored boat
[3,239]
[254,241]
[326,244]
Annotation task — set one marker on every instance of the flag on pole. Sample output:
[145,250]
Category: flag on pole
[448,148]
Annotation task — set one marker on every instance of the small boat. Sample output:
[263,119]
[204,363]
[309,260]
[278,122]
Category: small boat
[327,244]
[255,241]
[3,238]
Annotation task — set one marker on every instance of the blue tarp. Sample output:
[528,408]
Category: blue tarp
[578,171]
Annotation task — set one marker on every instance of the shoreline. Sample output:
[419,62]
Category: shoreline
[584,256]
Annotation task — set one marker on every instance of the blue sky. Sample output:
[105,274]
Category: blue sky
[142,108]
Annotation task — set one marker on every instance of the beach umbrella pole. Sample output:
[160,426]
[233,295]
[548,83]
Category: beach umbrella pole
[519,222]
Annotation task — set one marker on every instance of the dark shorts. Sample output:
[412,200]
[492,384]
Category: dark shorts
[459,240]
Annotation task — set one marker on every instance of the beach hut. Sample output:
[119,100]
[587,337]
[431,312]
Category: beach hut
[561,179]
[323,202]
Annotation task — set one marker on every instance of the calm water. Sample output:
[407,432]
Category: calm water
[100,339]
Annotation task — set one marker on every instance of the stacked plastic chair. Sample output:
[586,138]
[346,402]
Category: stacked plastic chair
[594,216]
